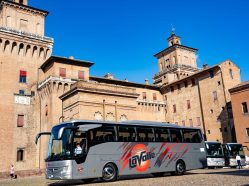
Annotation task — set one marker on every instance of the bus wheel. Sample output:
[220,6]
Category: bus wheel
[109,172]
[180,168]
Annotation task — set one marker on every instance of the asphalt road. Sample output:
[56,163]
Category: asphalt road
[225,176]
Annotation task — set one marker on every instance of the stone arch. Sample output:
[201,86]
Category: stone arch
[41,53]
[14,47]
[28,49]
[6,46]
[1,43]
[34,52]
[21,49]
[47,53]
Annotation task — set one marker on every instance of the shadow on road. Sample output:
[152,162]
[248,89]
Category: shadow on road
[130,177]
[235,172]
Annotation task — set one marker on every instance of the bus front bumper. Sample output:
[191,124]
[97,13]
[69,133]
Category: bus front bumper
[59,170]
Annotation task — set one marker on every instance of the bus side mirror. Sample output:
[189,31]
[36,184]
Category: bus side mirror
[40,134]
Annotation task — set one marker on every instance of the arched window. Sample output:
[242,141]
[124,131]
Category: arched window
[123,118]
[98,116]
[110,117]
[231,73]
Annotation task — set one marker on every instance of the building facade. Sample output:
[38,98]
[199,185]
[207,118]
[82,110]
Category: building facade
[42,90]
[240,105]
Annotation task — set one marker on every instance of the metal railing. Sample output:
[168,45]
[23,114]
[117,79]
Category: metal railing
[174,67]
[27,34]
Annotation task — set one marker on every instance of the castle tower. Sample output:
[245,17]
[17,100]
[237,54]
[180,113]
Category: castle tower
[175,62]
[23,48]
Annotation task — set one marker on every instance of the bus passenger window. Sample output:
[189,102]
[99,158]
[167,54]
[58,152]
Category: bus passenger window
[126,134]
[102,134]
[162,135]
[176,135]
[191,136]
[145,134]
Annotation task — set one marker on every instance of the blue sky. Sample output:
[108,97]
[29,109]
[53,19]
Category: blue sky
[121,36]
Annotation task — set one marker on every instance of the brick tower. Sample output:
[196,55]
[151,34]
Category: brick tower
[23,48]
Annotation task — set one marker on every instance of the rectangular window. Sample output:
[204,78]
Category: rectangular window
[154,97]
[20,155]
[198,121]
[188,104]
[21,92]
[62,72]
[145,134]
[81,75]
[190,122]
[32,93]
[220,129]
[215,97]
[244,107]
[23,76]
[247,131]
[209,132]
[176,135]
[174,108]
[126,134]
[191,136]
[144,95]
[23,25]
[20,120]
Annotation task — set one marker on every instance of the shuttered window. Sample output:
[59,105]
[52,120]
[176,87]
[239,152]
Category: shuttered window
[144,95]
[20,120]
[23,76]
[81,75]
[154,97]
[62,72]
[20,155]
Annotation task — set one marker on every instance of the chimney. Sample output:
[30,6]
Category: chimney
[146,82]
[205,66]
[108,76]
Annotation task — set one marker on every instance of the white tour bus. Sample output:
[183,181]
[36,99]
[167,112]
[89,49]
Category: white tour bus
[215,154]
[230,152]
[92,149]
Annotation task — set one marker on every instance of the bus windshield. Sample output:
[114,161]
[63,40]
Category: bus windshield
[235,149]
[214,150]
[72,145]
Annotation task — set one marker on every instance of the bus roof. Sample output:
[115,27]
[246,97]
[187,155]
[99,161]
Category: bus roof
[131,122]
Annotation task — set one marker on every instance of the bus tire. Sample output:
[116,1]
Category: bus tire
[110,172]
[180,167]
